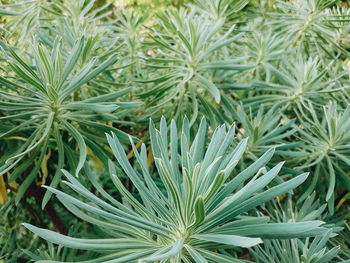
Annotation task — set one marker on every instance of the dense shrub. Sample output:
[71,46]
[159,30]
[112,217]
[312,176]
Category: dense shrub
[251,159]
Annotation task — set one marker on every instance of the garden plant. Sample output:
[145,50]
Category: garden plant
[175,131]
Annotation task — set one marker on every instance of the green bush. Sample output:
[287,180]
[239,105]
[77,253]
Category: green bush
[193,210]
[236,87]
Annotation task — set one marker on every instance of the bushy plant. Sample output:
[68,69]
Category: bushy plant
[196,208]
[317,249]
[187,59]
[327,146]
[41,103]
[276,70]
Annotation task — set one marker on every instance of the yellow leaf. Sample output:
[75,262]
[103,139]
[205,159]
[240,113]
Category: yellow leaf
[341,202]
[150,158]
[44,171]
[13,184]
[15,138]
[3,192]
[97,161]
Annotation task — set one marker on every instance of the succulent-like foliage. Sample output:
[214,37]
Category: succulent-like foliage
[327,140]
[186,59]
[264,50]
[266,129]
[218,9]
[53,253]
[69,19]
[342,26]
[308,25]
[23,18]
[317,249]
[343,241]
[40,107]
[298,251]
[130,31]
[197,209]
[71,71]
[11,234]
[296,85]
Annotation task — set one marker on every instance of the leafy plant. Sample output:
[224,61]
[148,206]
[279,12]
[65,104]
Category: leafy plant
[326,137]
[266,129]
[218,9]
[317,249]
[264,51]
[197,209]
[298,84]
[186,59]
[11,231]
[312,250]
[309,25]
[130,29]
[71,71]
[40,107]
[58,253]
[71,20]
[342,240]
[23,18]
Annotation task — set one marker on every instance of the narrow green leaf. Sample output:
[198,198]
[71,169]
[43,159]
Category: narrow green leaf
[232,240]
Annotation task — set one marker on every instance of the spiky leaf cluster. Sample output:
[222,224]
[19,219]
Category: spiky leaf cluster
[196,209]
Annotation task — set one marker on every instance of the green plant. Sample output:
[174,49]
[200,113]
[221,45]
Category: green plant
[218,9]
[264,50]
[326,137]
[131,31]
[74,20]
[298,251]
[317,249]
[45,103]
[197,208]
[342,240]
[148,5]
[71,71]
[12,235]
[58,253]
[186,61]
[309,26]
[266,129]
[23,18]
[296,85]
[7,233]
[342,26]
[71,20]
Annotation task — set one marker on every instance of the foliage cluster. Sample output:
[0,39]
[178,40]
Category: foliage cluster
[175,131]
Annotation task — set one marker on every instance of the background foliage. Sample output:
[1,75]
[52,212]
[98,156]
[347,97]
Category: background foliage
[264,76]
